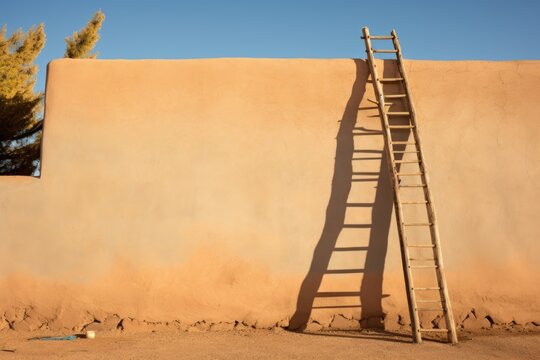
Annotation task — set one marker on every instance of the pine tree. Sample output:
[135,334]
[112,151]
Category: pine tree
[20,127]
[20,107]
[79,45]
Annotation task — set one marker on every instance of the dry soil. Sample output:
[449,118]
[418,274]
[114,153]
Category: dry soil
[260,344]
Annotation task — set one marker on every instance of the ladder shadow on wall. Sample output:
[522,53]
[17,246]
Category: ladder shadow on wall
[359,165]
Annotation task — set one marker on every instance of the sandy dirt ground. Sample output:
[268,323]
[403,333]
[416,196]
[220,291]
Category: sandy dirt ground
[260,344]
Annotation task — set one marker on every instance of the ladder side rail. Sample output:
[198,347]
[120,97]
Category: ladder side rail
[415,321]
[416,135]
[449,316]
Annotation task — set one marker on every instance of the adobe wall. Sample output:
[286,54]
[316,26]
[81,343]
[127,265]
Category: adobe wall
[208,191]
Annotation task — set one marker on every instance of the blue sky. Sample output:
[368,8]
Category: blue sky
[439,30]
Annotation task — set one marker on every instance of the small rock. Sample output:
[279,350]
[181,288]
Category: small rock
[93,326]
[521,319]
[277,329]
[341,323]
[461,315]
[472,323]
[249,321]
[241,326]
[21,326]
[283,323]
[70,319]
[199,326]
[34,318]
[111,323]
[35,321]
[14,314]
[132,325]
[265,325]
[480,312]
[427,319]
[28,324]
[178,325]
[222,326]
[500,317]
[313,327]
[391,322]
[3,323]
[158,326]
[99,315]
[324,319]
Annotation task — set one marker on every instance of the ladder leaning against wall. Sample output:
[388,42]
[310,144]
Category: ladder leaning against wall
[395,124]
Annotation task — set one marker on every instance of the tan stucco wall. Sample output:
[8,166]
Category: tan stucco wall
[198,190]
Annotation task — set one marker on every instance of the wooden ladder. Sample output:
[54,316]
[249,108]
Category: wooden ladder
[404,123]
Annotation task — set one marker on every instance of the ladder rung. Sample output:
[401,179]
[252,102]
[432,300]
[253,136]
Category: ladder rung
[407,161]
[422,246]
[413,186]
[428,309]
[403,143]
[379,37]
[384,51]
[427,288]
[396,96]
[410,174]
[390,79]
[423,266]
[400,127]
[405,152]
[413,202]
[422,259]
[398,113]
[429,301]
[417,224]
[434,330]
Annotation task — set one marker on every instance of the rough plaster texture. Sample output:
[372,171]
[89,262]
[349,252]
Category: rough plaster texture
[216,191]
